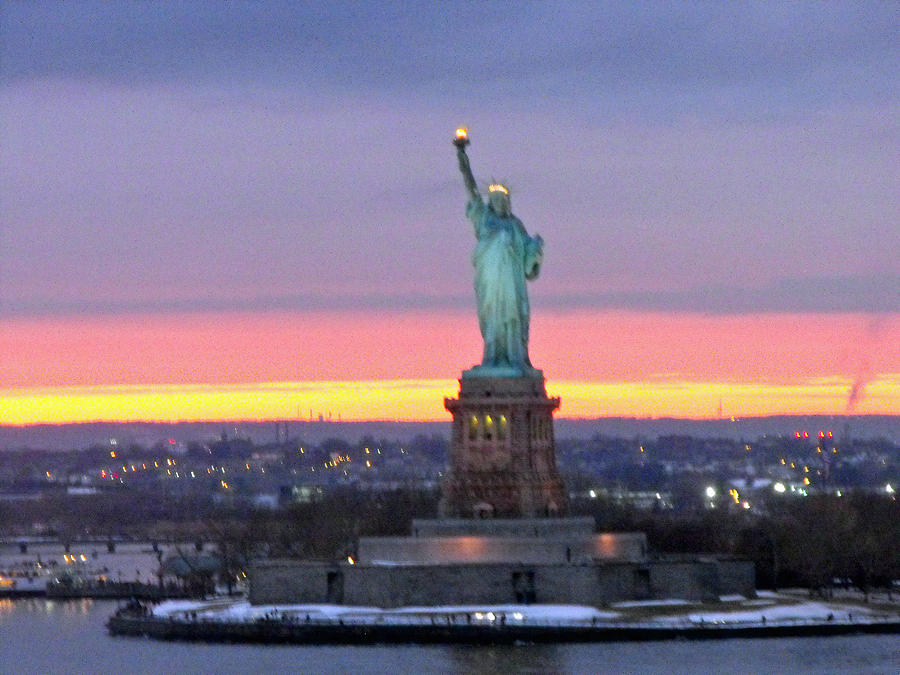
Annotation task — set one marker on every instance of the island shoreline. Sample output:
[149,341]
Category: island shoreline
[332,632]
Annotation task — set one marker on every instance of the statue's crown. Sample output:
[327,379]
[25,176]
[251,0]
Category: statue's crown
[497,187]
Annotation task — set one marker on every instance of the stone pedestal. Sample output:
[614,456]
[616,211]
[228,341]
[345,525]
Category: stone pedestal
[502,457]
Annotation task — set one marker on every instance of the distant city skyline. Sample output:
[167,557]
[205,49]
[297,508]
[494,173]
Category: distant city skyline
[216,212]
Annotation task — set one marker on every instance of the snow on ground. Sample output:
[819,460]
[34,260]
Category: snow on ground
[170,607]
[770,609]
[242,610]
[536,612]
[804,611]
[731,598]
[665,602]
[768,594]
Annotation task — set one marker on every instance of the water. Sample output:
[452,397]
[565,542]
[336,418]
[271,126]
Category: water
[46,636]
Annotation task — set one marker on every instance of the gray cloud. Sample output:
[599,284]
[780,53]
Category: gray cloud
[868,295]
[289,302]
[654,54]
[826,295]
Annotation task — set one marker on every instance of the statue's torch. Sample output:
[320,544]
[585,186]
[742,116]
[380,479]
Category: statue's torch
[461,140]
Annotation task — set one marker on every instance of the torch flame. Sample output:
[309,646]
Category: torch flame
[496,187]
[462,132]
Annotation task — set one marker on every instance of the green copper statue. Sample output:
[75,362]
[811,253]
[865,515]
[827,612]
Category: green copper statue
[505,256]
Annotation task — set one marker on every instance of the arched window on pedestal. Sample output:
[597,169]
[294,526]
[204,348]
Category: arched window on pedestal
[488,427]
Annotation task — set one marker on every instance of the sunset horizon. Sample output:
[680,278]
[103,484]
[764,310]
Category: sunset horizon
[227,366]
[395,401]
[200,206]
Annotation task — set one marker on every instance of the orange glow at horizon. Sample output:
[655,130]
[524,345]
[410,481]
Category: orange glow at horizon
[398,365]
[422,400]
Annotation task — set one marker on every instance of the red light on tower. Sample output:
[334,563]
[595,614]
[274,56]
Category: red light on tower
[796,434]
[805,434]
[821,434]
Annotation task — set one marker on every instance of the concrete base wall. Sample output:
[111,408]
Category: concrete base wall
[295,582]
[581,526]
[446,550]
[596,584]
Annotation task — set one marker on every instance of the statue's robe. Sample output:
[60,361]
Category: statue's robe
[505,256]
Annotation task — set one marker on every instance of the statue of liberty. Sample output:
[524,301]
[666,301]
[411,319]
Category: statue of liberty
[505,256]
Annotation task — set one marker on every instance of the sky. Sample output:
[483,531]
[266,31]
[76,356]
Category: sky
[253,210]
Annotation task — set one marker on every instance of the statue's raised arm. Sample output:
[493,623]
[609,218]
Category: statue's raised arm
[461,141]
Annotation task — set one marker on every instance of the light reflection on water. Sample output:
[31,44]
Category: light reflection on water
[50,636]
[69,608]
[66,608]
